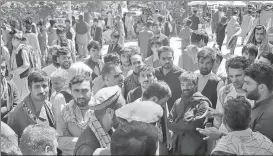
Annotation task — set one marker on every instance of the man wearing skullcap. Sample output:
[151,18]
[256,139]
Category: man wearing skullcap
[145,111]
[160,92]
[142,111]
[97,133]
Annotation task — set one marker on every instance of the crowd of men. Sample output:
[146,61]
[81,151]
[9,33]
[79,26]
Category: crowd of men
[60,96]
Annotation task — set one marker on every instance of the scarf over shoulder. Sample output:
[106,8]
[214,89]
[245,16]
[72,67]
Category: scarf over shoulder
[265,46]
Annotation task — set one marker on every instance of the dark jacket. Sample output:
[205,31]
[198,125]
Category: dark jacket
[13,99]
[114,48]
[97,34]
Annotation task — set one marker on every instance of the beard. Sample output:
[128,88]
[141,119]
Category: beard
[66,65]
[187,93]
[167,66]
[204,71]
[81,102]
[253,95]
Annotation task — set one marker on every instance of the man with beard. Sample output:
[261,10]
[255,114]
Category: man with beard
[64,58]
[73,118]
[98,82]
[259,37]
[258,86]
[9,94]
[208,82]
[101,120]
[131,82]
[186,140]
[169,73]
[112,75]
[235,70]
[34,108]
[146,77]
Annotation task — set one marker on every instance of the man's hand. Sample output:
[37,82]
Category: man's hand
[211,133]
[213,113]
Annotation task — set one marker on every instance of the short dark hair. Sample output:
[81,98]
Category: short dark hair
[195,11]
[62,51]
[60,30]
[160,18]
[235,12]
[237,63]
[115,35]
[149,23]
[251,49]
[157,41]
[28,20]
[67,21]
[159,89]
[112,57]
[80,17]
[126,51]
[268,56]
[95,20]
[52,22]
[36,137]
[188,22]
[207,52]
[37,76]
[199,35]
[146,68]
[93,44]
[134,138]
[165,49]
[237,114]
[80,79]
[261,73]
[107,68]
[189,76]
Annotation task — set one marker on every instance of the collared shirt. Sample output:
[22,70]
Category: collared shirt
[245,142]
[202,81]
[172,79]
[261,117]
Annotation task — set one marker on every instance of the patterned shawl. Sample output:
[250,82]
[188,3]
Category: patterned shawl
[103,138]
[265,46]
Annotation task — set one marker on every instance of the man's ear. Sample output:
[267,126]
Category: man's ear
[110,112]
[154,99]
